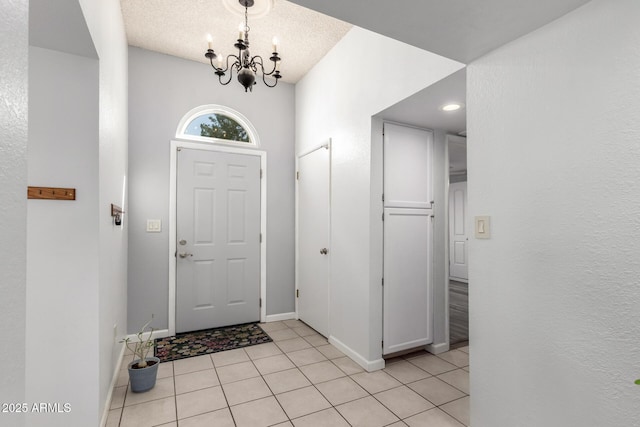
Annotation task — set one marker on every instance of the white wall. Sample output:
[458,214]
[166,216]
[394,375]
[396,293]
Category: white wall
[14,37]
[106,25]
[62,237]
[337,99]
[162,90]
[553,155]
[77,257]
[440,245]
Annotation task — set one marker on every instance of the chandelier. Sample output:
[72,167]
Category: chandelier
[244,65]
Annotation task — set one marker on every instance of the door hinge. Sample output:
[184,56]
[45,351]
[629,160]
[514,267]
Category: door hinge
[383,216]
[260,173]
[298,175]
[297,293]
[383,281]
[260,237]
[383,197]
[382,343]
[260,302]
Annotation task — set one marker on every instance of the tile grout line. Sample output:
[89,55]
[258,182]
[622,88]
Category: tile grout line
[175,390]
[298,368]
[314,385]
[215,371]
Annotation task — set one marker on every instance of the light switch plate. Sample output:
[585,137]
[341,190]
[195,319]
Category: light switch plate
[483,227]
[154,226]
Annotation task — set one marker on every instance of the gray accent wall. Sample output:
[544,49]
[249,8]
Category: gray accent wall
[162,89]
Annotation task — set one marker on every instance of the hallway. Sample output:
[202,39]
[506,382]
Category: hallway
[298,380]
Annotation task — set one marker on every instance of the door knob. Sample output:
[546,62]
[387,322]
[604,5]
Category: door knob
[323,251]
[185,254]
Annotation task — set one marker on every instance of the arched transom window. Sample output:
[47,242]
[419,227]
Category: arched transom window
[217,124]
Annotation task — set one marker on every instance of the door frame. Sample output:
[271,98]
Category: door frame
[173,176]
[326,145]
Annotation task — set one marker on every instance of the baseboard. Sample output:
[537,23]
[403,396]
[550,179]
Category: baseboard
[368,365]
[114,380]
[160,333]
[437,348]
[281,316]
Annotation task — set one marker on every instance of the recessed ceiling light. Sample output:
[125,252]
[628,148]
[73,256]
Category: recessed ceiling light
[451,107]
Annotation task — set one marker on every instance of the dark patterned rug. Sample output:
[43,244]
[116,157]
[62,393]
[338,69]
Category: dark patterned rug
[190,344]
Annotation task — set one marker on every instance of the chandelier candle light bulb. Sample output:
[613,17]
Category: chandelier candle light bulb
[241,29]
[210,41]
[274,42]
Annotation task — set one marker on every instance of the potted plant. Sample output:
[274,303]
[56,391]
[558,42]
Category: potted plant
[144,369]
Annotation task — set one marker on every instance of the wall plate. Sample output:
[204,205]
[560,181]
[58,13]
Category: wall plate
[483,227]
[154,226]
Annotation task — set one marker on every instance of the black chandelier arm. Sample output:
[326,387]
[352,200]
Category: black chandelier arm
[220,74]
[221,70]
[276,76]
[257,60]
[235,66]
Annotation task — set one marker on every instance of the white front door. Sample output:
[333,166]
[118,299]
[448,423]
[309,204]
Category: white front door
[313,239]
[458,233]
[218,239]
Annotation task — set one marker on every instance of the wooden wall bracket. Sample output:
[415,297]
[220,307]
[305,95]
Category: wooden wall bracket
[116,210]
[116,213]
[51,193]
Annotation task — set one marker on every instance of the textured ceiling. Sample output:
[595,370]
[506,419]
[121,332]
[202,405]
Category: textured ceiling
[180,28]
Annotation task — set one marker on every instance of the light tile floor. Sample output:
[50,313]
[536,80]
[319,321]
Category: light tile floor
[298,380]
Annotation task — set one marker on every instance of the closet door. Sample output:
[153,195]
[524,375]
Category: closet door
[313,239]
[408,236]
[407,167]
[407,279]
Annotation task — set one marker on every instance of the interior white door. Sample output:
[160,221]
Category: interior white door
[313,239]
[407,288]
[458,232]
[218,235]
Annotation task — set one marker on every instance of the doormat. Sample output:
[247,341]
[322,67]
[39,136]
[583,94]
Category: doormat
[207,341]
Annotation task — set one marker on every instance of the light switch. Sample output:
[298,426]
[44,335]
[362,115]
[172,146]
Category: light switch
[483,227]
[154,226]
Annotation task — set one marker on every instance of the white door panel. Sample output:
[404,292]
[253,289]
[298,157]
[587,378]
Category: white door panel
[218,235]
[458,231]
[407,167]
[407,279]
[313,239]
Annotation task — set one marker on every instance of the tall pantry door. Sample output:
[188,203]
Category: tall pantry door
[408,241]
